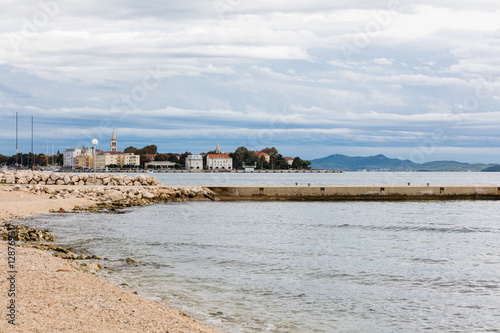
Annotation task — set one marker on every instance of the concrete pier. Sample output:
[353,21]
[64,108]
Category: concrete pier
[355,193]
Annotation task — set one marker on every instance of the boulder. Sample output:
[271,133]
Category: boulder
[54,176]
[22,181]
[148,195]
[44,176]
[115,195]
[9,178]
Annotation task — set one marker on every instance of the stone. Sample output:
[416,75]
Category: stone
[60,182]
[75,179]
[93,267]
[148,195]
[115,195]
[54,176]
[10,179]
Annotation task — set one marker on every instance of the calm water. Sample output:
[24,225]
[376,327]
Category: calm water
[307,267]
[348,178]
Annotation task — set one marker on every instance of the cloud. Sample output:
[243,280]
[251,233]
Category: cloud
[382,61]
[256,72]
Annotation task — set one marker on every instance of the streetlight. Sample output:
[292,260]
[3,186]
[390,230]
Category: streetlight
[94,142]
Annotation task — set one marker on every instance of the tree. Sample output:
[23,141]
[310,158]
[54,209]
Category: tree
[160,157]
[300,164]
[182,159]
[130,150]
[148,150]
[173,158]
[273,152]
[297,163]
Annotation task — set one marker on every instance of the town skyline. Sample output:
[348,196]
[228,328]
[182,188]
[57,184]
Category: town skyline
[416,81]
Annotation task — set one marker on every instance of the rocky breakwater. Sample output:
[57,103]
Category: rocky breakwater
[27,177]
[122,196]
[108,192]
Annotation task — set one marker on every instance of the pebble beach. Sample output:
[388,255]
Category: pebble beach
[59,295]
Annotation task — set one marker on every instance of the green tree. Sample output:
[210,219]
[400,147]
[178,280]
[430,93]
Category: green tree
[160,157]
[182,159]
[148,150]
[130,150]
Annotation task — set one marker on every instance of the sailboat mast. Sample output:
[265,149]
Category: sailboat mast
[17,144]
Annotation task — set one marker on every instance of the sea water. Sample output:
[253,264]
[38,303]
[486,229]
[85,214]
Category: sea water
[306,266]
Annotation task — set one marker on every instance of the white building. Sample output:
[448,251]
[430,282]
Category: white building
[70,154]
[120,159]
[194,162]
[219,162]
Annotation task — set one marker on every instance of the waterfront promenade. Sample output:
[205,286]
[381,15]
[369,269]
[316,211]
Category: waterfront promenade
[343,193]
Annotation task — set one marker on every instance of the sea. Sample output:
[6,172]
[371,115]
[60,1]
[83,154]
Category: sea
[430,266]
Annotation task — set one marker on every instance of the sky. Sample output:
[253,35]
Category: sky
[416,80]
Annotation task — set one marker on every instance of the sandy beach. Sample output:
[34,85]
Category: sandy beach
[56,295]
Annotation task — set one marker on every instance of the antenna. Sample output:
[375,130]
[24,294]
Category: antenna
[33,156]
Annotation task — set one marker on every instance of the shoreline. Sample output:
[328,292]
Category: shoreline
[55,294]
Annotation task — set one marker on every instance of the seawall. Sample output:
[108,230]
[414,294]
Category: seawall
[355,193]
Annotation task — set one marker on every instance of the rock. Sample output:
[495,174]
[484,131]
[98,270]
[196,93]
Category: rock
[22,181]
[148,195]
[10,179]
[115,195]
[60,182]
[54,176]
[75,179]
[93,267]
[67,180]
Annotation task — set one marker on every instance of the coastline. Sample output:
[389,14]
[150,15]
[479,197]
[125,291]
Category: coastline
[55,295]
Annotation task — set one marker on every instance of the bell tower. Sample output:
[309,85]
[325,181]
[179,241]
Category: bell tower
[113,146]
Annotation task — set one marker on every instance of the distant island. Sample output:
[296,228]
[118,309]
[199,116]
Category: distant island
[383,163]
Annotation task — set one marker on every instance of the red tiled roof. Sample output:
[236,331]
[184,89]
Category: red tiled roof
[289,158]
[111,152]
[259,153]
[218,156]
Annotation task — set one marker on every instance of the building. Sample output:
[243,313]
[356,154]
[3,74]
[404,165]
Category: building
[219,161]
[107,158]
[70,155]
[289,160]
[150,157]
[194,162]
[260,154]
[113,143]
[84,161]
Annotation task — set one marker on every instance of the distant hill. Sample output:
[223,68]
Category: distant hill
[494,168]
[383,163]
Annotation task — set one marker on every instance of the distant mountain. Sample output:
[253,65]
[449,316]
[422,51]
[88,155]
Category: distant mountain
[493,168]
[383,163]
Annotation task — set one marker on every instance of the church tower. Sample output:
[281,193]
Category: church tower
[217,150]
[113,147]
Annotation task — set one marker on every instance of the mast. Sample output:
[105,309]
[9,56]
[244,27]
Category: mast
[17,145]
[33,156]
